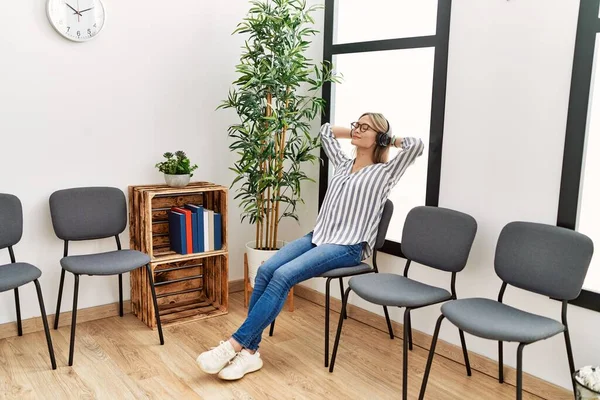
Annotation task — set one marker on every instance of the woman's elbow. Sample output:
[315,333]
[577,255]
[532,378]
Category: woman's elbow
[419,147]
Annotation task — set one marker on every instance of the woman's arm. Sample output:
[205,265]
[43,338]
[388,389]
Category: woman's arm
[411,149]
[341,132]
[330,144]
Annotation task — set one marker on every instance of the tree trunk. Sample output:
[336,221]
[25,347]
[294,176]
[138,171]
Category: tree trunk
[280,157]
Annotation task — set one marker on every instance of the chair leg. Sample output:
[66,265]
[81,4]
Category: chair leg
[500,363]
[326,351]
[156,313]
[60,291]
[18,307]
[73,320]
[339,331]
[389,323]
[570,357]
[120,295]
[463,343]
[409,326]
[430,358]
[45,321]
[272,328]
[520,371]
[342,294]
[406,329]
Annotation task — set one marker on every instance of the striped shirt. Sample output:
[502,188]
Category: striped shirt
[354,202]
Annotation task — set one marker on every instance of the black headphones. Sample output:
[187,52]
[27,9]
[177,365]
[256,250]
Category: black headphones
[383,139]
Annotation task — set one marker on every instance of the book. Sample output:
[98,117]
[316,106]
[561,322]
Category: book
[198,226]
[218,229]
[188,227]
[218,223]
[177,233]
[211,230]
[206,247]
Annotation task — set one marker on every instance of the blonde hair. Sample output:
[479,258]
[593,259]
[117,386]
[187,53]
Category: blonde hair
[380,154]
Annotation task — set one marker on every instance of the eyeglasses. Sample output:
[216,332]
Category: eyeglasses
[362,127]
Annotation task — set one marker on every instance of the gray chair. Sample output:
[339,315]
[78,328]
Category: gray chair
[539,258]
[17,274]
[94,213]
[436,237]
[362,268]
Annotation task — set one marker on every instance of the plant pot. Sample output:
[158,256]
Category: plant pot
[177,180]
[256,258]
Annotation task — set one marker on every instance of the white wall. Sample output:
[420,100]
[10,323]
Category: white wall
[509,75]
[103,112]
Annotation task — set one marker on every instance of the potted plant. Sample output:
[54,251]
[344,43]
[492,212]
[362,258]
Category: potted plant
[276,96]
[177,169]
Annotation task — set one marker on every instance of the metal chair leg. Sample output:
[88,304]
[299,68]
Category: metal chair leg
[156,312]
[60,292]
[120,295]
[341,294]
[326,351]
[406,329]
[45,321]
[74,319]
[272,328]
[465,352]
[570,357]
[520,371]
[409,325]
[438,325]
[389,323]
[500,363]
[339,331]
[18,307]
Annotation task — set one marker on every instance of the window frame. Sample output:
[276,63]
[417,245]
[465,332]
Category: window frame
[439,41]
[588,26]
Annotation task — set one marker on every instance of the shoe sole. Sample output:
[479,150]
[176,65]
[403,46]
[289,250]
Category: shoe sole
[237,378]
[210,372]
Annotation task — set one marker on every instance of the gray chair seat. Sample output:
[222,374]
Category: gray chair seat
[396,290]
[109,263]
[17,274]
[347,271]
[491,319]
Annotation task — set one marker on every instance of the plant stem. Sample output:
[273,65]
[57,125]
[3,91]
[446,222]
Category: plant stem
[270,166]
[258,237]
[280,168]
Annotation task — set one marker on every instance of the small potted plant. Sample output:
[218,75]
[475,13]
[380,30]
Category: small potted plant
[177,169]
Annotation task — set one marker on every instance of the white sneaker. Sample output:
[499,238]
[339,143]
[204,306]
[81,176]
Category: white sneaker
[212,361]
[241,365]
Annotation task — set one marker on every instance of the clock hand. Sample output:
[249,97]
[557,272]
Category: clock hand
[87,9]
[76,12]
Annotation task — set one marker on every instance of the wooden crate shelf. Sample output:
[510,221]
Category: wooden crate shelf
[188,287]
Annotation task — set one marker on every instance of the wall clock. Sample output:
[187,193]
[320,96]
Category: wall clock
[76,20]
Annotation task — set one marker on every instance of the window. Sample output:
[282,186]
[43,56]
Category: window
[393,57]
[355,21]
[580,188]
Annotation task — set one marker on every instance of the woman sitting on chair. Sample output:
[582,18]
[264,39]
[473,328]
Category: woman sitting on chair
[344,235]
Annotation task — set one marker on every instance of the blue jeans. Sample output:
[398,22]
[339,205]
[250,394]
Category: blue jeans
[293,263]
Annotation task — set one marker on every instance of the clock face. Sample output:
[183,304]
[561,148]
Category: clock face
[77,20]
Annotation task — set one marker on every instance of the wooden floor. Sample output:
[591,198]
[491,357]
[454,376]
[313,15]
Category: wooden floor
[120,358]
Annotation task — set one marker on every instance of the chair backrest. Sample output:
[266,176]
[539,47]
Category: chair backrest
[384,223]
[88,213]
[438,237]
[543,259]
[11,220]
